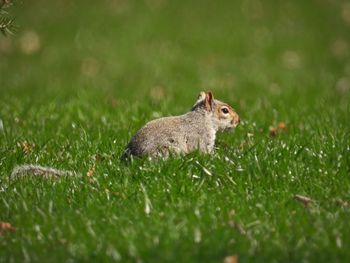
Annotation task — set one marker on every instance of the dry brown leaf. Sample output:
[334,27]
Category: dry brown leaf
[303,199]
[99,157]
[282,126]
[231,259]
[26,147]
[5,227]
[91,170]
[273,131]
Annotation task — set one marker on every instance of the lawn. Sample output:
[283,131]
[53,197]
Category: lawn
[79,78]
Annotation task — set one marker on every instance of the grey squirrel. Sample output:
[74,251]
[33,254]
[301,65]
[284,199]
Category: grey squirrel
[195,130]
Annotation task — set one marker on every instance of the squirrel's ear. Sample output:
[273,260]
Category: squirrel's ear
[201,96]
[206,99]
[209,101]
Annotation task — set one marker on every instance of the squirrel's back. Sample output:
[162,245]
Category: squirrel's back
[155,135]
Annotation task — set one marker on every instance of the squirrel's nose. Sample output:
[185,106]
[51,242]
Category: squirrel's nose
[236,120]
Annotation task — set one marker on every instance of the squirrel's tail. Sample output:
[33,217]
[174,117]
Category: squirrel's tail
[37,170]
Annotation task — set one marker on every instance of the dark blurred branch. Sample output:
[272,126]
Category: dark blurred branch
[7,25]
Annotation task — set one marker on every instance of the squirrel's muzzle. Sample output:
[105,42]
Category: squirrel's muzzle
[235,120]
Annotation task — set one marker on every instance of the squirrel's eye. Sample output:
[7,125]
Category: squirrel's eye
[224,110]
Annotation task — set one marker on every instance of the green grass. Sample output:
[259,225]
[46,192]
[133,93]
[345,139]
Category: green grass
[102,70]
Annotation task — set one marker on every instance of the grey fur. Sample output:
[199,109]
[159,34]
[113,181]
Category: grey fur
[195,130]
[29,169]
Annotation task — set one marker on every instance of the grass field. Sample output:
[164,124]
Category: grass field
[79,78]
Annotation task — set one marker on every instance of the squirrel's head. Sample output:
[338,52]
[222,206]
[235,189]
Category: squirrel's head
[224,116]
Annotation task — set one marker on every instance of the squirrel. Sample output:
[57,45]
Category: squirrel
[195,130]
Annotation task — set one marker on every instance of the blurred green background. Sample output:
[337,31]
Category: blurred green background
[80,77]
[242,50]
